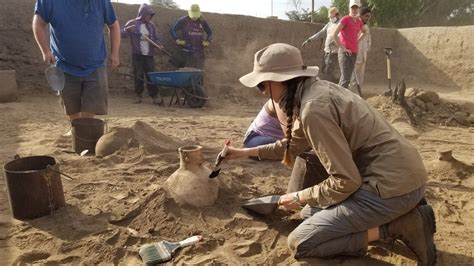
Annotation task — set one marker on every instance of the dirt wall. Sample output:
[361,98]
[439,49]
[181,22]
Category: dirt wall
[440,55]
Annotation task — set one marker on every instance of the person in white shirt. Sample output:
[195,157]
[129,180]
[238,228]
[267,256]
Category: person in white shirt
[330,61]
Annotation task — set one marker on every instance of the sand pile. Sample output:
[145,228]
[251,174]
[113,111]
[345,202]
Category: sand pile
[427,108]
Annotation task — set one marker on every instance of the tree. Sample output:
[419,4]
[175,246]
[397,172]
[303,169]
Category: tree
[413,13]
[304,14]
[164,3]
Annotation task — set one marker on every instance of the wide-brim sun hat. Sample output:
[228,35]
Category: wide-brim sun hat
[278,62]
[194,11]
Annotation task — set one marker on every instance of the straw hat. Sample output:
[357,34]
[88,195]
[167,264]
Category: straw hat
[278,62]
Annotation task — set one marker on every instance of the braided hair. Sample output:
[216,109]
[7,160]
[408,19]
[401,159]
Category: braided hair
[292,85]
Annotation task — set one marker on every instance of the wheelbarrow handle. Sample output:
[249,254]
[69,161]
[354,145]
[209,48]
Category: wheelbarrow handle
[156,45]
[142,79]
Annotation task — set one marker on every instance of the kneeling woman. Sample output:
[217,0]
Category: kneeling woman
[375,177]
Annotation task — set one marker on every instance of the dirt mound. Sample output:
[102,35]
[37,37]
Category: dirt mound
[427,108]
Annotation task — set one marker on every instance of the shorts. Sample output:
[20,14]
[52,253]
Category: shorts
[86,94]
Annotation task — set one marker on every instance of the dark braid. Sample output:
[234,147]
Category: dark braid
[292,86]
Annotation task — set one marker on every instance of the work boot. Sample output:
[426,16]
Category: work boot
[138,99]
[416,230]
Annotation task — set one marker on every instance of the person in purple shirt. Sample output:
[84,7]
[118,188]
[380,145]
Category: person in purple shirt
[75,43]
[142,50]
[192,40]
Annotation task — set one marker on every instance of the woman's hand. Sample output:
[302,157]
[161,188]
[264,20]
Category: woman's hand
[347,51]
[235,153]
[291,201]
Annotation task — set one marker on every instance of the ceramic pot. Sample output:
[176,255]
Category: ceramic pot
[190,184]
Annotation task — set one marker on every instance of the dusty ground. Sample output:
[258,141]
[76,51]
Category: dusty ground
[116,203]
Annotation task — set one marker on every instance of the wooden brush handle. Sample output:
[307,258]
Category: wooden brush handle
[190,241]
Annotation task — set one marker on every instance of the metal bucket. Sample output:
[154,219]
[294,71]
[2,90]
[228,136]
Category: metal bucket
[85,134]
[34,186]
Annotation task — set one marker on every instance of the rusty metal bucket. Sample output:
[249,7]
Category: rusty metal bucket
[34,186]
[85,134]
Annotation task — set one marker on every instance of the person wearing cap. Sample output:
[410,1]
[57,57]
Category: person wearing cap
[374,178]
[329,65]
[70,35]
[142,50]
[192,40]
[349,28]
[364,43]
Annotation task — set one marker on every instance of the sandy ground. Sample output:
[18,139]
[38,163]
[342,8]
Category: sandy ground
[116,203]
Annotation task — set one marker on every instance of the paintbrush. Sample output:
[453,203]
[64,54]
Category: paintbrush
[219,159]
[163,251]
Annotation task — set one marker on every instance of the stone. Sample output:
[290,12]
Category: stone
[421,104]
[8,86]
[470,118]
[430,107]
[461,118]
[429,96]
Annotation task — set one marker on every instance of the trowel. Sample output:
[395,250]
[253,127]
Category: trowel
[219,159]
[263,205]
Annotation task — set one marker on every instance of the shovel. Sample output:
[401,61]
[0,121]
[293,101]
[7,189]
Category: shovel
[163,251]
[173,60]
[264,205]
[219,159]
[55,78]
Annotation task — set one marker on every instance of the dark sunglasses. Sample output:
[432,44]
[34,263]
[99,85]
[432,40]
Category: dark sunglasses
[261,87]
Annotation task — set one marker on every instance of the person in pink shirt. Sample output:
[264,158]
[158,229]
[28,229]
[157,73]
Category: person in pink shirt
[346,37]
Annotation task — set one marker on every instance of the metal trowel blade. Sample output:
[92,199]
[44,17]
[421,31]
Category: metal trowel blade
[264,205]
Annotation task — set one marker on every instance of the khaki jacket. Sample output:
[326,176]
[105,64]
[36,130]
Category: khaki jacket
[356,145]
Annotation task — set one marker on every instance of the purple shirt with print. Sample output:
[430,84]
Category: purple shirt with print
[192,33]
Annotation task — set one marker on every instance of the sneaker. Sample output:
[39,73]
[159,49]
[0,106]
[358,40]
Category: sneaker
[415,229]
[138,99]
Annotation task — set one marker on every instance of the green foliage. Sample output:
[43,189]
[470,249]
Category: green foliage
[164,3]
[413,13]
[304,14]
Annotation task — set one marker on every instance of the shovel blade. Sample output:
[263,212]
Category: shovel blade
[264,205]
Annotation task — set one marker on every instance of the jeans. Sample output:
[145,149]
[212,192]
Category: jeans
[346,65]
[143,64]
[253,139]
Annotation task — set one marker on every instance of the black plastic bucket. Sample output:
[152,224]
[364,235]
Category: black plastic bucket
[34,186]
[85,134]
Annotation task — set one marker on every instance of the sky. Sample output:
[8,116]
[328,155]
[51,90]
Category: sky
[257,8]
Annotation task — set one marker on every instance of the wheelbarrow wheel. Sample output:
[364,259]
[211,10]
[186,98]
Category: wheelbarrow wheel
[196,96]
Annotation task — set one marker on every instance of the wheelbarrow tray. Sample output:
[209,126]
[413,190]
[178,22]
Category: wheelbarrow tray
[179,78]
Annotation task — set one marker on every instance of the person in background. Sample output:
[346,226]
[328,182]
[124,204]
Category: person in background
[349,28]
[364,44]
[374,178]
[142,50]
[329,66]
[75,44]
[266,127]
[192,40]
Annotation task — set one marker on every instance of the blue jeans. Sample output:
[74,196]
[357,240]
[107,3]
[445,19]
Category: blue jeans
[253,139]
